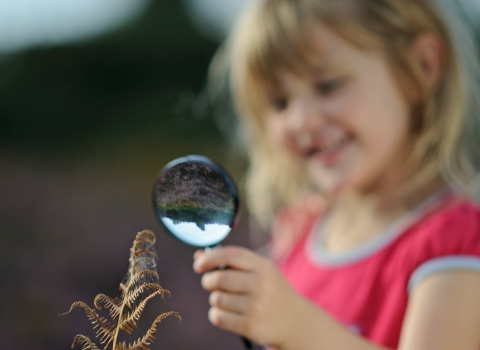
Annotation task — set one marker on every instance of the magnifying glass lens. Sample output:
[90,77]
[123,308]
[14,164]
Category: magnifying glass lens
[196,201]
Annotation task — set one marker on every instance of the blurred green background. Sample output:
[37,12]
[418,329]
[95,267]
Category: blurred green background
[85,126]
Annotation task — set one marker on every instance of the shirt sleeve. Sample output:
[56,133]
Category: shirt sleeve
[449,241]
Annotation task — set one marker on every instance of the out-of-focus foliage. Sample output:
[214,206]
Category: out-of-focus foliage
[139,81]
[84,129]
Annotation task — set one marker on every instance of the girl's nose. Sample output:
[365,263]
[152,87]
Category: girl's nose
[305,116]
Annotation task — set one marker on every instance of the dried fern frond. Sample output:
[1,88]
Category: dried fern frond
[113,305]
[140,284]
[85,342]
[129,321]
[105,329]
[147,339]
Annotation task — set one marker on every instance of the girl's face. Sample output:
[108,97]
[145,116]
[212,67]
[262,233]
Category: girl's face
[348,122]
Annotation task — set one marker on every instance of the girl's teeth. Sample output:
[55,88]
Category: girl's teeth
[329,147]
[333,146]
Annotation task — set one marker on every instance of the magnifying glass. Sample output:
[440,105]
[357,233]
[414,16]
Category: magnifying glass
[196,201]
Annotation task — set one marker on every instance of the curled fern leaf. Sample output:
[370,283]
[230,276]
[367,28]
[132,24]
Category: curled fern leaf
[147,339]
[85,342]
[113,305]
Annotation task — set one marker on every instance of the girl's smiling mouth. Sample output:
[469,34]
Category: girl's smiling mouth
[328,153]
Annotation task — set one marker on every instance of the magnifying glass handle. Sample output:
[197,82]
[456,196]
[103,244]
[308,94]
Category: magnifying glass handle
[248,343]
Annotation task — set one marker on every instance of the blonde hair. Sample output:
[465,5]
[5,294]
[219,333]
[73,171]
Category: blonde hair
[272,36]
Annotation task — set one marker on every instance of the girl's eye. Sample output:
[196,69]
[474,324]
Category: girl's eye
[328,86]
[279,103]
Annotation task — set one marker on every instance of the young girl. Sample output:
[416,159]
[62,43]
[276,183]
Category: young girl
[372,106]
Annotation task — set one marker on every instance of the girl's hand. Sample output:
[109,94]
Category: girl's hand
[251,297]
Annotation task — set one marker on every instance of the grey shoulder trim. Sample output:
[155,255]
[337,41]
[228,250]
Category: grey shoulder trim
[447,263]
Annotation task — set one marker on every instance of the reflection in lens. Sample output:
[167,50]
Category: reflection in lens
[190,233]
[195,202]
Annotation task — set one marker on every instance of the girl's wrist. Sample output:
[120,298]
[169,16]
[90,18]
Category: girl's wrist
[305,325]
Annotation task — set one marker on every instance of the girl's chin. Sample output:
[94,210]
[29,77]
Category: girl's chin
[338,187]
[329,179]
[331,190]
[347,188]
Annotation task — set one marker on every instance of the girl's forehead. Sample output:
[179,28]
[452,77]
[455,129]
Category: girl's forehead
[329,45]
[327,50]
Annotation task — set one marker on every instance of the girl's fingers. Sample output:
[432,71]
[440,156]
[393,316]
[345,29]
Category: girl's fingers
[197,253]
[234,257]
[229,321]
[232,281]
[236,303]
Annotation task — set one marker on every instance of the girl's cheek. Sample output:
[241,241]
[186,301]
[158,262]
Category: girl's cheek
[290,149]
[280,137]
[291,146]
[274,130]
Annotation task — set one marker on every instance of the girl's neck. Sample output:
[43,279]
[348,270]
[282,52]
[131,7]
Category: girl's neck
[356,218]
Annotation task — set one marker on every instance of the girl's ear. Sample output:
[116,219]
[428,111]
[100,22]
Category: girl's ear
[429,54]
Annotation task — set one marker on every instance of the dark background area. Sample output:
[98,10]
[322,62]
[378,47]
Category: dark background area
[84,130]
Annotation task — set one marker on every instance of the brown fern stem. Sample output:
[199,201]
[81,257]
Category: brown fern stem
[129,322]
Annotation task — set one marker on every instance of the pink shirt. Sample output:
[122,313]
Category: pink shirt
[367,289]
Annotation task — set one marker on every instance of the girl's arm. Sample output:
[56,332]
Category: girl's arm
[444,313]
[252,299]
